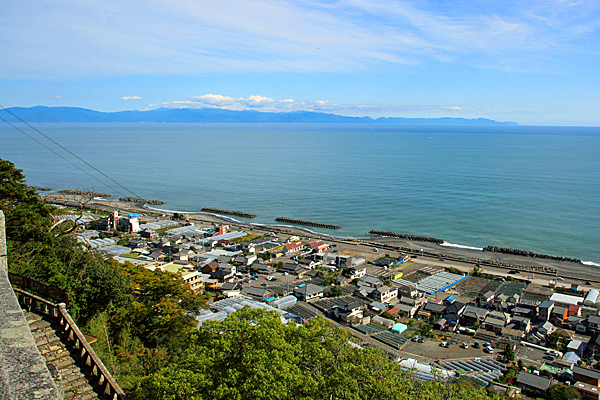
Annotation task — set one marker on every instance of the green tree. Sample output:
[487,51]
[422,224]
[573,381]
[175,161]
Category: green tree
[163,314]
[38,251]
[335,291]
[562,392]
[509,353]
[252,355]
[556,340]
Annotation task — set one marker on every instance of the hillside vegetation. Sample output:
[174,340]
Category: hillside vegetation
[147,334]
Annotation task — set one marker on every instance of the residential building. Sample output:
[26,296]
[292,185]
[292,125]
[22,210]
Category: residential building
[256,293]
[263,269]
[585,375]
[292,248]
[495,321]
[408,290]
[577,346]
[308,292]
[293,269]
[587,391]
[317,246]
[384,293]
[594,322]
[356,272]
[433,308]
[545,310]
[534,382]
[371,281]
[349,312]
[308,263]
[473,315]
[559,315]
[486,297]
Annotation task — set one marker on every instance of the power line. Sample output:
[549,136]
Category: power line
[60,155]
[65,149]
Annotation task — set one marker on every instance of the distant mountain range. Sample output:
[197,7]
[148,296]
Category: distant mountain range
[75,114]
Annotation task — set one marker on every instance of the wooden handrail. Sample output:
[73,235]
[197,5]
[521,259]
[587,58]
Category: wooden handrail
[72,332]
[46,291]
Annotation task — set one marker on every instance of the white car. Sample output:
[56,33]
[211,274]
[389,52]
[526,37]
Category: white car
[488,349]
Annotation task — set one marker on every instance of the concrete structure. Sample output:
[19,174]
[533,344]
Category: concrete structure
[23,372]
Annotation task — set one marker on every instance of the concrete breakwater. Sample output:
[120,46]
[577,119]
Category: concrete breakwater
[405,236]
[528,253]
[309,223]
[83,193]
[138,200]
[41,189]
[228,212]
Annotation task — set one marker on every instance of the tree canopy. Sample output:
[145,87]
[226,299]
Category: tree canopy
[253,355]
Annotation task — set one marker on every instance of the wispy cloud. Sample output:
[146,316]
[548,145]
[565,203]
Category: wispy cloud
[131,98]
[64,39]
[267,104]
[58,97]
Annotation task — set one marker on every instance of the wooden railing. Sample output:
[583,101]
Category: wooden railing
[39,288]
[71,332]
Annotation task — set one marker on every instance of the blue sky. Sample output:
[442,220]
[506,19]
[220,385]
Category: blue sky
[533,62]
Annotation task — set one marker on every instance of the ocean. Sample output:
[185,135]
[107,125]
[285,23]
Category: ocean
[534,188]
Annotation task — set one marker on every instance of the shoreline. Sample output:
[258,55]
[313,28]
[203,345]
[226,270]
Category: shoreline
[443,245]
[452,252]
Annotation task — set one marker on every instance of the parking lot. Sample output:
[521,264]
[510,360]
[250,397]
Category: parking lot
[530,356]
[431,351]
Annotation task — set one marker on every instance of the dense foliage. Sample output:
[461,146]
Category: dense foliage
[147,336]
[37,249]
[253,355]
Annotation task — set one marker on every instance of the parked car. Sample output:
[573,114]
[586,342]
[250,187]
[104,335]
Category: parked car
[421,340]
[488,349]
[477,345]
[415,338]
[265,284]
[464,345]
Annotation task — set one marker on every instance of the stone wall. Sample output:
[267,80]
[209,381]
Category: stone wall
[23,372]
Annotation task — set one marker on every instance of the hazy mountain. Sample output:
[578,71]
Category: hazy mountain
[75,114]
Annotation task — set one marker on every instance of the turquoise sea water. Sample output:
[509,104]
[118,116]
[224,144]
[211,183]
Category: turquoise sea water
[534,188]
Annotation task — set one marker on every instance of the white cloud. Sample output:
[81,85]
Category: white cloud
[267,104]
[58,97]
[193,37]
[131,98]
